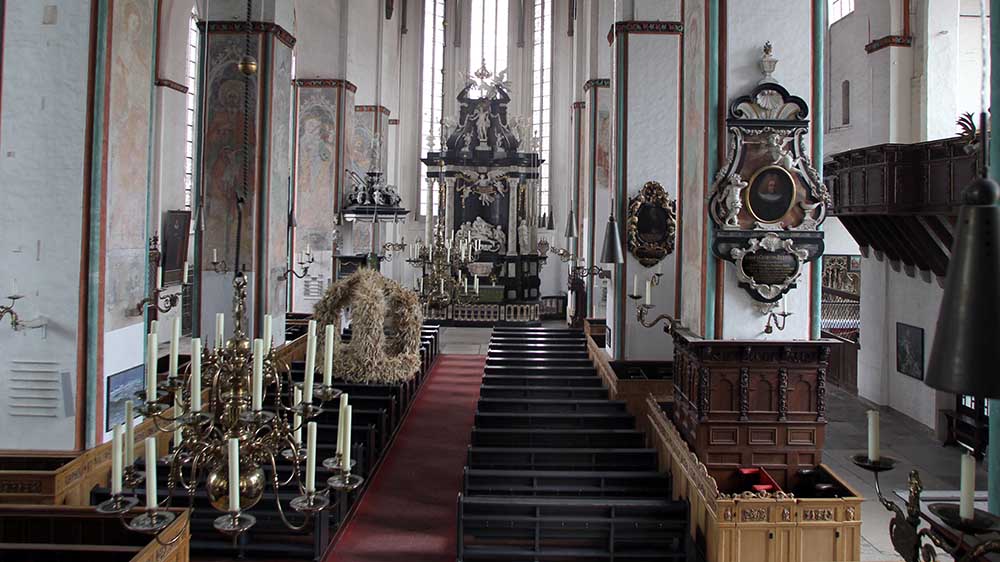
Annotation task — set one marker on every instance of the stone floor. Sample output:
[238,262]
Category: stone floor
[911,443]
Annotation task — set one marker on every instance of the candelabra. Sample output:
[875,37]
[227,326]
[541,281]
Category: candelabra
[219,267]
[905,527]
[441,270]
[157,299]
[8,310]
[234,430]
[390,248]
[643,308]
[304,261]
[774,322]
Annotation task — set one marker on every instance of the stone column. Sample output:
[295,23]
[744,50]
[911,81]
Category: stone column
[263,244]
[597,168]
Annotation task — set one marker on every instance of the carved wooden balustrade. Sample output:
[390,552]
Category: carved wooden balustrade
[743,403]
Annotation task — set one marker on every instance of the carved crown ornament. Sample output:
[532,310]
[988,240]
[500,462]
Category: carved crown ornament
[767,200]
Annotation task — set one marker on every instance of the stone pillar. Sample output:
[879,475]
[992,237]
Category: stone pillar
[646,76]
[324,107]
[263,245]
[596,170]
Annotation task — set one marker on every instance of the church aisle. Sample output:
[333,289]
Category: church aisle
[409,511]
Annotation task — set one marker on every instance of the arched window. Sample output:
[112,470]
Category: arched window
[541,97]
[845,102]
[489,24]
[839,9]
[191,76]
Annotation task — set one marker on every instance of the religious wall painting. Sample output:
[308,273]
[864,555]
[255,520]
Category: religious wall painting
[362,142]
[602,153]
[767,196]
[910,350]
[316,159]
[278,166]
[128,137]
[223,150]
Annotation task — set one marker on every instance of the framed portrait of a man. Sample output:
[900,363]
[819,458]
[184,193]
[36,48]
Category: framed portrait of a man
[771,194]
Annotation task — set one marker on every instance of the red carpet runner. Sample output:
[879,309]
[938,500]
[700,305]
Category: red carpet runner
[409,511]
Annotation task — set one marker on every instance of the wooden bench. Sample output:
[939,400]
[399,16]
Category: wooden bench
[490,391]
[548,458]
[590,483]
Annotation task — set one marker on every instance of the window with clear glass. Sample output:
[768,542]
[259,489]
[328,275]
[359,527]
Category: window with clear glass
[191,76]
[489,35]
[430,118]
[541,97]
[839,8]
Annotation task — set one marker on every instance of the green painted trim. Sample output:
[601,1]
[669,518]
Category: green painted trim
[994,148]
[711,271]
[819,87]
[591,233]
[621,193]
[94,209]
[265,95]
[197,187]
[151,218]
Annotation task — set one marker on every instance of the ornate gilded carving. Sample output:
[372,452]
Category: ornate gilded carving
[652,224]
[771,248]
[744,393]
[786,514]
[729,514]
[755,514]
[821,394]
[850,513]
[824,514]
[782,394]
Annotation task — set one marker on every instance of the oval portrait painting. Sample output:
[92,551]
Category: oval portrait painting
[771,194]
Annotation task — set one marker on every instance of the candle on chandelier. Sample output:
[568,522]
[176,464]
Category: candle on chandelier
[635,283]
[345,465]
[967,502]
[116,460]
[328,355]
[175,343]
[465,284]
[220,330]
[311,458]
[184,273]
[129,434]
[307,384]
[475,283]
[234,475]
[268,327]
[196,375]
[341,412]
[297,418]
[873,435]
[159,277]
[215,255]
[151,367]
[257,397]
[442,284]
[151,502]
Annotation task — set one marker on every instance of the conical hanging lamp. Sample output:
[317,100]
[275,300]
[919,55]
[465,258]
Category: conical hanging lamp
[965,354]
[612,249]
[571,225]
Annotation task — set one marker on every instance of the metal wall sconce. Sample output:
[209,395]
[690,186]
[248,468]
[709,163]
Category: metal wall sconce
[304,262]
[391,248]
[9,311]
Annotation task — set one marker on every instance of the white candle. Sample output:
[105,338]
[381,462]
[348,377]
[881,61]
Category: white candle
[234,475]
[966,506]
[341,412]
[184,273]
[159,277]
[448,253]
[659,268]
[328,355]
[215,255]
[308,249]
[311,457]
[475,283]
[873,437]
[442,285]
[307,385]
[635,283]
[346,458]
[154,326]
[220,330]
[257,387]
[268,321]
[116,460]
[151,367]
[649,292]
[129,434]
[297,419]
[465,285]
[195,374]
[151,502]
[175,342]
[13,287]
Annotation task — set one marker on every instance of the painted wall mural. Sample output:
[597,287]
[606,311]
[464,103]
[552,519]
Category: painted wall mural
[281,103]
[603,156]
[223,152]
[316,164]
[130,85]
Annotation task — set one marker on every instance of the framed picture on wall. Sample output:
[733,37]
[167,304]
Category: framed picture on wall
[121,387]
[910,350]
[176,228]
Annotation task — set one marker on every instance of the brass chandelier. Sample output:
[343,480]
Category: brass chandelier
[233,437]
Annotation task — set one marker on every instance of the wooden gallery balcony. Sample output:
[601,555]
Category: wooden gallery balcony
[900,201]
